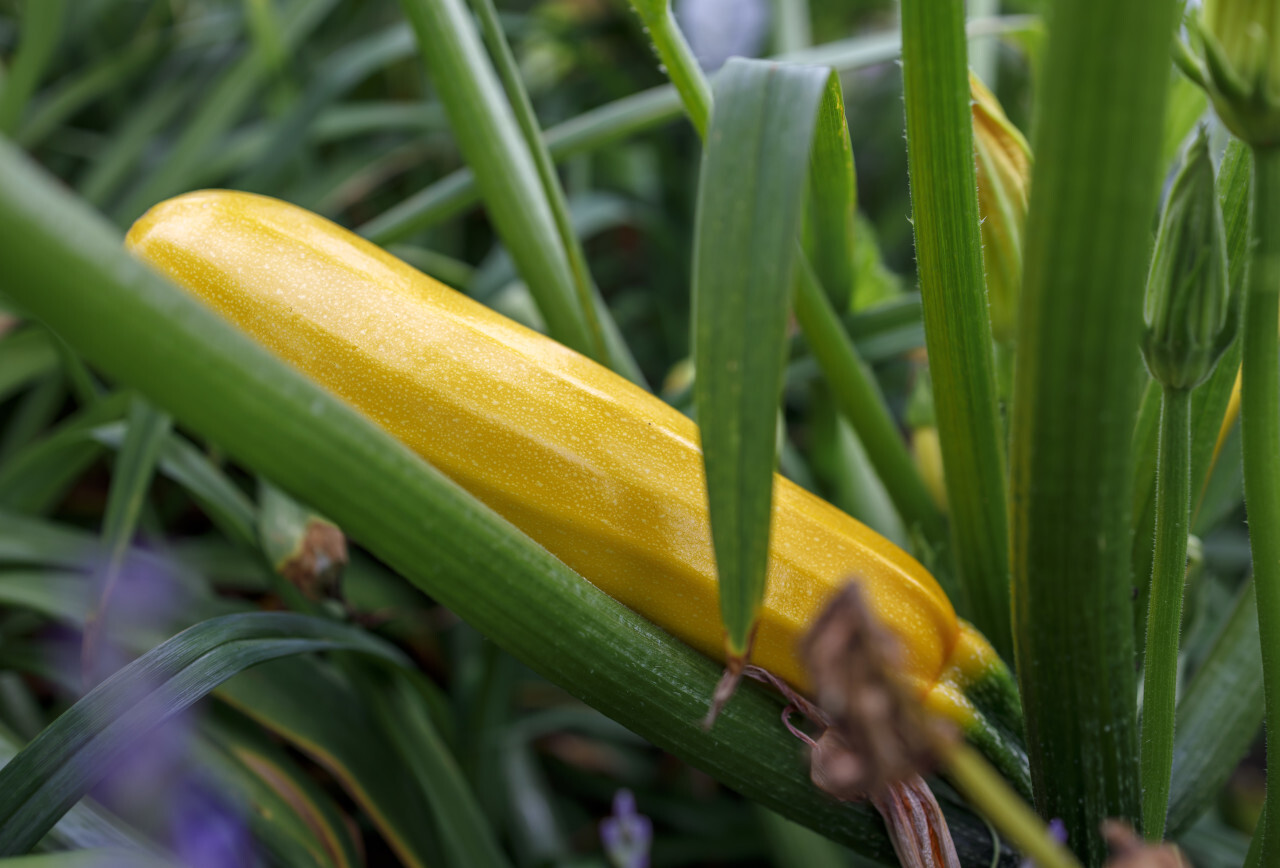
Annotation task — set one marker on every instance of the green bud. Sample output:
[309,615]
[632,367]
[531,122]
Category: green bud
[1242,66]
[1190,310]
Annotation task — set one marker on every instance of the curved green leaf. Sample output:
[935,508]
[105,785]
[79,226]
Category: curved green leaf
[52,772]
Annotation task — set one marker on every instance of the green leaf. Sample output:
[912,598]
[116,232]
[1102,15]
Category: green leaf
[221,499]
[33,414]
[61,595]
[36,476]
[87,824]
[70,755]
[42,24]
[69,97]
[401,712]
[342,71]
[131,136]
[67,267]
[130,482]
[1093,195]
[323,714]
[25,355]
[750,201]
[289,811]
[957,323]
[219,109]
[595,129]
[833,200]
[1219,715]
[1187,105]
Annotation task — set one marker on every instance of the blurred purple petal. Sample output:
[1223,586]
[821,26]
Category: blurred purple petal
[207,831]
[720,29]
[626,834]
[1057,831]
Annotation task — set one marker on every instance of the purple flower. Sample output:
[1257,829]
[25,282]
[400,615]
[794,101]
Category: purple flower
[207,832]
[626,834]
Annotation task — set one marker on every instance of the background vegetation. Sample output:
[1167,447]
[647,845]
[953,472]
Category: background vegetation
[414,739]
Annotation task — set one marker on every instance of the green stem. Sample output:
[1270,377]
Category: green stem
[1094,188]
[944,209]
[677,57]
[1260,413]
[489,137]
[1164,620]
[608,344]
[997,801]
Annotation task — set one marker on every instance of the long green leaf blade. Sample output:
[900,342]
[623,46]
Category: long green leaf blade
[180,168]
[603,330]
[750,199]
[42,26]
[1219,715]
[833,200]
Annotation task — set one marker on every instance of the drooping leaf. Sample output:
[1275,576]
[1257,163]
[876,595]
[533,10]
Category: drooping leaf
[750,197]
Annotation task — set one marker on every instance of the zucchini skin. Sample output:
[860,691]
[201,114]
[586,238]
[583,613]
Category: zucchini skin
[604,475]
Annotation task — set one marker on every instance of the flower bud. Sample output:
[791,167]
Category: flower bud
[1190,311]
[1242,61]
[1004,182]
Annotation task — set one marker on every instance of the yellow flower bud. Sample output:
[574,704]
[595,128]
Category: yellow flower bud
[927,449]
[1004,184]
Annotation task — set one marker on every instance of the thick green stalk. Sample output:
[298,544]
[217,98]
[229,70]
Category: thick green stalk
[944,208]
[1164,621]
[1260,419]
[1093,194]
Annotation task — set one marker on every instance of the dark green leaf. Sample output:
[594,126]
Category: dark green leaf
[51,773]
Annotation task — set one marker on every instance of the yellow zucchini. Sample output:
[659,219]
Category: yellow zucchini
[604,475]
